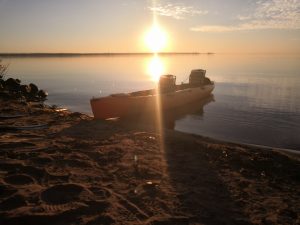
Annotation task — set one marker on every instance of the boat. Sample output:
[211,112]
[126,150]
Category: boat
[166,96]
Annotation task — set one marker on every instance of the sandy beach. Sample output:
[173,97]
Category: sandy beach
[72,169]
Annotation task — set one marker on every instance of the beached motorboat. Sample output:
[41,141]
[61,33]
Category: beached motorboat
[167,96]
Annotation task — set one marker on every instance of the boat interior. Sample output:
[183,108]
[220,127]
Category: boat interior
[167,84]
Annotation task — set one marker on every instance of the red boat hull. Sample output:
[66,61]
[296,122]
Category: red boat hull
[127,105]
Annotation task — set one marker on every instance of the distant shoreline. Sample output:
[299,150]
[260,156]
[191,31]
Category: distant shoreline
[97,54]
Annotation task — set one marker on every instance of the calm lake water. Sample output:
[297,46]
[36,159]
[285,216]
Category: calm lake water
[256,97]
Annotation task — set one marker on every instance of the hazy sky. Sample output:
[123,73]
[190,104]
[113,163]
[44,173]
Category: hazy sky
[267,26]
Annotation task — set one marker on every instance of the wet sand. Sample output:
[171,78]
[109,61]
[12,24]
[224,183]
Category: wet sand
[75,170]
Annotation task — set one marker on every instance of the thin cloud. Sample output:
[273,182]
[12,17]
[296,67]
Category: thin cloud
[177,11]
[268,14]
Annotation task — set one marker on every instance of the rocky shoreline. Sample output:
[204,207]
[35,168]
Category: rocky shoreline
[13,89]
[76,170]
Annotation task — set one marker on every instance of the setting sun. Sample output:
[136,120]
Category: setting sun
[156,39]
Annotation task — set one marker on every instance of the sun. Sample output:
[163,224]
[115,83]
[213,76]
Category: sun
[156,39]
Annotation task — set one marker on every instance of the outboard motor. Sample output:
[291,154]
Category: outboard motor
[167,83]
[197,77]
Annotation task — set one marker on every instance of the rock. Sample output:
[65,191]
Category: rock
[14,90]
[33,89]
[42,94]
[12,84]
[25,89]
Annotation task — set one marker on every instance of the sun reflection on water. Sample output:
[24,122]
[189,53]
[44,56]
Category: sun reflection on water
[155,68]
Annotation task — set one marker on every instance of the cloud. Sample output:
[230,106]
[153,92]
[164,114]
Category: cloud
[268,14]
[177,11]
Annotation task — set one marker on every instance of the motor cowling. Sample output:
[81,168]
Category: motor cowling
[197,77]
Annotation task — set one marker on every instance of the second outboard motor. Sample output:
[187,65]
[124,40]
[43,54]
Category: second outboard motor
[197,77]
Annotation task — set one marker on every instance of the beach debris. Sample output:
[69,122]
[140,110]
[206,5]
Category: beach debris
[113,119]
[58,109]
[150,186]
[61,110]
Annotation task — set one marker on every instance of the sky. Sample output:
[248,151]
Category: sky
[220,26]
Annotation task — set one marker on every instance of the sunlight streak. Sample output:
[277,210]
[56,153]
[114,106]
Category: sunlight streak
[156,37]
[156,41]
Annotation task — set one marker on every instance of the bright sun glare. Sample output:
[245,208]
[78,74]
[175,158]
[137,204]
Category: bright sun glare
[156,68]
[156,39]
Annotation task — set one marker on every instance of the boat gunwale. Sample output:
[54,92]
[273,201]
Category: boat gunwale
[127,95]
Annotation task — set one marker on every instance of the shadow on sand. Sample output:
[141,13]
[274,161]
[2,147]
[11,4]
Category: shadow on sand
[197,180]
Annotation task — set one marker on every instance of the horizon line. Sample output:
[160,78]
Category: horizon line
[78,54]
[62,54]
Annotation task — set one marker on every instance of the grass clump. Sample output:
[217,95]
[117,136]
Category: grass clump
[3,69]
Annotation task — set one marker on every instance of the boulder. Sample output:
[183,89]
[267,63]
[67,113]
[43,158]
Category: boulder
[42,94]
[33,89]
[25,89]
[12,84]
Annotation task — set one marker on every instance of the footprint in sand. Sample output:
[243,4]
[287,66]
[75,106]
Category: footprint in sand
[9,167]
[37,173]
[64,193]
[6,190]
[41,160]
[13,202]
[100,192]
[19,179]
